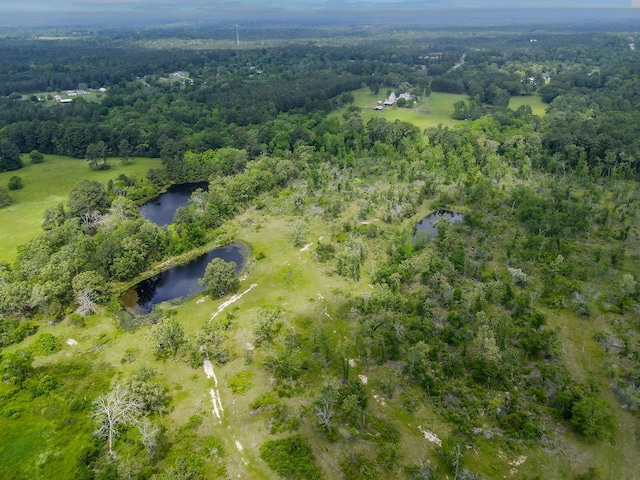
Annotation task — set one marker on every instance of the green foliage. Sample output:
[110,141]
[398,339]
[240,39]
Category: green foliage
[17,366]
[267,400]
[356,466]
[5,198]
[220,278]
[46,344]
[240,383]
[14,331]
[86,197]
[267,326]
[290,457]
[15,183]
[146,389]
[169,338]
[36,157]
[591,417]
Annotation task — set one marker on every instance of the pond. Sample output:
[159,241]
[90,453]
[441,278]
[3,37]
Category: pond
[426,228]
[161,209]
[178,282]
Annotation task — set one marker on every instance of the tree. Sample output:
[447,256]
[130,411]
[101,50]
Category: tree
[36,157]
[152,434]
[169,337]
[220,278]
[591,417]
[125,151]
[324,406]
[5,198]
[86,300]
[16,366]
[15,183]
[151,393]
[96,155]
[110,411]
[87,196]
[9,156]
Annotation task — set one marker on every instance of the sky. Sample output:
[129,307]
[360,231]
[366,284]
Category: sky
[194,6]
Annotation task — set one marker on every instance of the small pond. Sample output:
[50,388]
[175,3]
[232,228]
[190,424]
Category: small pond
[161,209]
[426,228]
[178,282]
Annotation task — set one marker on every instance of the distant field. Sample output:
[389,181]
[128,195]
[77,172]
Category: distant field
[432,111]
[47,98]
[45,185]
[534,101]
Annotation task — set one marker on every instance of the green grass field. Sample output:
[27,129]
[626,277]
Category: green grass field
[46,185]
[430,112]
[534,101]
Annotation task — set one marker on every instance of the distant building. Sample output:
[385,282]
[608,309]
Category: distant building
[391,100]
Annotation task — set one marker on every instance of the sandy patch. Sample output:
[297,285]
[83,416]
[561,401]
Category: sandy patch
[518,461]
[380,401]
[432,437]
[233,300]
[208,371]
[218,411]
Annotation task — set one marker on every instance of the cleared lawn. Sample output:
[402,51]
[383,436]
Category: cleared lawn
[432,111]
[534,101]
[46,185]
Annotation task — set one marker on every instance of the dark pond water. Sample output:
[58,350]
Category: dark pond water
[161,209]
[426,228]
[178,282]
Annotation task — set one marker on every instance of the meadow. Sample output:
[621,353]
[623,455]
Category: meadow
[431,111]
[534,101]
[46,185]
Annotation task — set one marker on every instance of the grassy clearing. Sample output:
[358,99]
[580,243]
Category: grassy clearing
[46,185]
[534,101]
[430,112]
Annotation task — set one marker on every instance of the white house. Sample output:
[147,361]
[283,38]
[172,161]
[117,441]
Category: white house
[391,100]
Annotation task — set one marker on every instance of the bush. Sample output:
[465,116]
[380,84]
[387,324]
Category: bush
[15,183]
[591,417]
[241,382]
[290,457]
[46,344]
[5,198]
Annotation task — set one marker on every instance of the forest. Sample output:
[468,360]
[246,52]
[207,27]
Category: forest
[350,344]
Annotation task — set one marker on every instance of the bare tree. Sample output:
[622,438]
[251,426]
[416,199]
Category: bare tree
[150,435]
[87,302]
[113,409]
[324,406]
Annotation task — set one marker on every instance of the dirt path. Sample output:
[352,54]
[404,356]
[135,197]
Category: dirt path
[233,300]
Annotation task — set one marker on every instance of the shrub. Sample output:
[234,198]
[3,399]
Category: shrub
[290,457]
[591,417]
[241,382]
[46,344]
[15,183]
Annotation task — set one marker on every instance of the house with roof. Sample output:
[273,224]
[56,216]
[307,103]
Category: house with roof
[391,100]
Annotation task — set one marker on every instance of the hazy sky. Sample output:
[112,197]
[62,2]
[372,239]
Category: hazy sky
[189,6]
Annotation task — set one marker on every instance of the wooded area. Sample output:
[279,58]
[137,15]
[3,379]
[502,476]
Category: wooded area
[374,352]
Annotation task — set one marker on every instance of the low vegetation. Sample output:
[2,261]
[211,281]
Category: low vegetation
[348,347]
